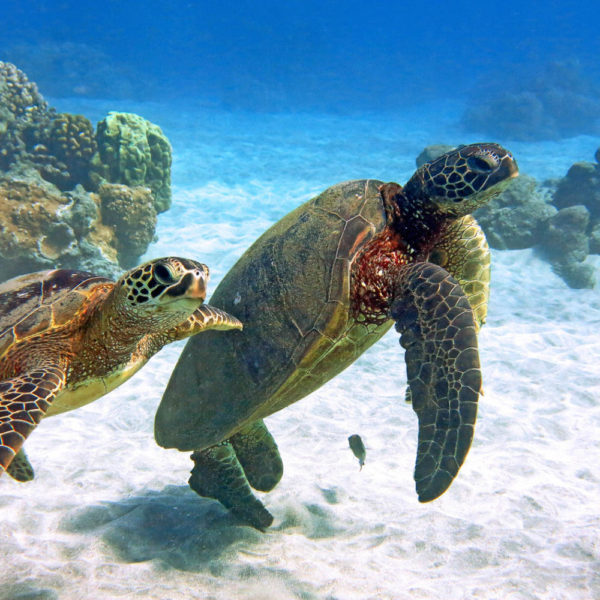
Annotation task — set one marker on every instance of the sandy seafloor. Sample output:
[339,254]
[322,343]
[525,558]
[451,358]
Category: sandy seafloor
[110,515]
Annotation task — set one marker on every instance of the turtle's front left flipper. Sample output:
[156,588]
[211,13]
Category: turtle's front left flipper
[438,332]
[24,400]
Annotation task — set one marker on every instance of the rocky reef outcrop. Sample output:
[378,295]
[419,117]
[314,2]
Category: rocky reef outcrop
[558,101]
[559,219]
[566,245]
[517,217]
[72,195]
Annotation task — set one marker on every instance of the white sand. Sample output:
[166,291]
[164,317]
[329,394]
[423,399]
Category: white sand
[110,515]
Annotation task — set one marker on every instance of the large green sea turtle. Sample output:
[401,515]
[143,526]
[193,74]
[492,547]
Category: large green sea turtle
[314,292]
[69,337]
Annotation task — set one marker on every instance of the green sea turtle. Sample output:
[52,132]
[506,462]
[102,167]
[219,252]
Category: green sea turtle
[314,292]
[69,337]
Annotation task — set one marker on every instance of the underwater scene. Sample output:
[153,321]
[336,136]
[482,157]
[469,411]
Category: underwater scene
[311,293]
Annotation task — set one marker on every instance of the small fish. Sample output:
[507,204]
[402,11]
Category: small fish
[358,448]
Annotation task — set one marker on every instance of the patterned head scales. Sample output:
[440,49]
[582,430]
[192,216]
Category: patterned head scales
[460,181]
[163,281]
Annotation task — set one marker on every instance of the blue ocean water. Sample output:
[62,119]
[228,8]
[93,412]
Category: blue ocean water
[266,104]
[338,56]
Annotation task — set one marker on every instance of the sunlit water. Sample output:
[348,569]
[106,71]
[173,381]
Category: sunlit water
[110,515]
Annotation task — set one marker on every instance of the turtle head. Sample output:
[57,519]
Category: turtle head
[460,181]
[164,285]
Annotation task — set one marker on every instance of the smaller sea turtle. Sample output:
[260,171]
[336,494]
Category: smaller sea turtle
[69,337]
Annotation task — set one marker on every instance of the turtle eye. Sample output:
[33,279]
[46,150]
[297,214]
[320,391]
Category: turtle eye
[482,164]
[163,275]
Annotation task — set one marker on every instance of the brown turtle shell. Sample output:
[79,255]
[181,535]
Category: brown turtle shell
[291,289]
[37,303]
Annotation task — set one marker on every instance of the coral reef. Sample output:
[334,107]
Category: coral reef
[40,228]
[559,102]
[134,152]
[595,239]
[581,185]
[61,204]
[560,220]
[575,229]
[566,246]
[20,105]
[17,94]
[517,217]
[59,145]
[72,140]
[130,211]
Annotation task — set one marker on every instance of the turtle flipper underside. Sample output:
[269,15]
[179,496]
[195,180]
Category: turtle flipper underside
[23,402]
[218,474]
[438,332]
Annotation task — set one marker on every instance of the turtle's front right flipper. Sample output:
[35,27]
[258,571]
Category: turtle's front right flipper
[24,400]
[438,332]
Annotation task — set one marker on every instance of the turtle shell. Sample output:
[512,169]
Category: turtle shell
[38,302]
[291,289]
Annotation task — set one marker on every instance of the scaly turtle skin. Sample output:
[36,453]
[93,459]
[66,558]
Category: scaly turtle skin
[69,337]
[314,292]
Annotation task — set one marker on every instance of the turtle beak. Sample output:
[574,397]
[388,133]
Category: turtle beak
[192,286]
[198,286]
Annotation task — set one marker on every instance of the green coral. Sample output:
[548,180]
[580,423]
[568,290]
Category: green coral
[134,152]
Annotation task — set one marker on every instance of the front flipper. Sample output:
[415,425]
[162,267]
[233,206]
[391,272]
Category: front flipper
[464,252]
[20,468]
[203,318]
[23,402]
[218,474]
[257,452]
[438,331]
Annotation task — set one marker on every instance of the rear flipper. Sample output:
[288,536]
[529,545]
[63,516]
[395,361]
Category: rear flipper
[218,474]
[20,468]
[438,331]
[24,400]
[258,454]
